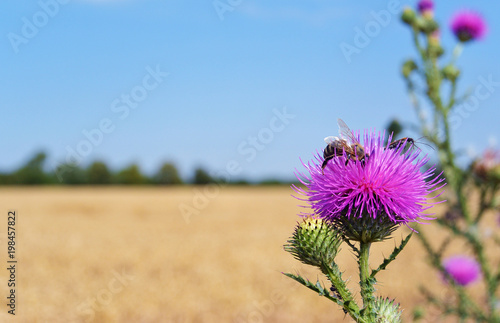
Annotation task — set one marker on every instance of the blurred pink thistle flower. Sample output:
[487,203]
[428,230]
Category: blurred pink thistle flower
[487,167]
[387,184]
[468,25]
[464,270]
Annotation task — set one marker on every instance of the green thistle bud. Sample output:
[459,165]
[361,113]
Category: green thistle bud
[408,67]
[387,311]
[315,242]
[408,16]
[365,228]
[435,49]
[427,25]
[450,72]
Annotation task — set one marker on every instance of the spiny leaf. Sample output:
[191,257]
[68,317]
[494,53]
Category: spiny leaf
[393,255]
[444,245]
[348,242]
[315,287]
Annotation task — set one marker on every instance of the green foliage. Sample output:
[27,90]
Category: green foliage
[271,182]
[395,128]
[130,175]
[438,81]
[167,175]
[240,181]
[98,174]
[7,179]
[201,177]
[70,174]
[32,173]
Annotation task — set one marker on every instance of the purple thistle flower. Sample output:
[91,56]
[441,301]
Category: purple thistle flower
[425,5]
[468,25]
[387,183]
[464,270]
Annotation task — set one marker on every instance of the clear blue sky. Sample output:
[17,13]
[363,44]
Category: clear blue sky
[172,81]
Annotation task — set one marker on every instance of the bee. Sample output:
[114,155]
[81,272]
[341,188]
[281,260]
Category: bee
[346,143]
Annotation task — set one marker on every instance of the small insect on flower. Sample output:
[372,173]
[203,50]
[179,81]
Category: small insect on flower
[347,143]
[406,141]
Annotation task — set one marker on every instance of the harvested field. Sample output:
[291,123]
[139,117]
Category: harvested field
[128,255]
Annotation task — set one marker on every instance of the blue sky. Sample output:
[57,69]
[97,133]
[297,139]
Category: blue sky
[245,91]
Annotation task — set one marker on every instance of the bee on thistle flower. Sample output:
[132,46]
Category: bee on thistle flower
[387,187]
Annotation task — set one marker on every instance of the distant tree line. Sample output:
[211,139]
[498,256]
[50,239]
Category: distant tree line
[98,173]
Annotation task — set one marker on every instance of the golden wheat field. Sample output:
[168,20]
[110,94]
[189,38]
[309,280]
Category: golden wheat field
[128,255]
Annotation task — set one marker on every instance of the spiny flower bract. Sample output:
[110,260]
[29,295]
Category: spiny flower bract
[387,184]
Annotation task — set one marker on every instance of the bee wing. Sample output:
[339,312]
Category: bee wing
[331,139]
[346,133]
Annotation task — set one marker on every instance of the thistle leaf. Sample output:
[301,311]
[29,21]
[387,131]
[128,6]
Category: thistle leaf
[318,288]
[393,256]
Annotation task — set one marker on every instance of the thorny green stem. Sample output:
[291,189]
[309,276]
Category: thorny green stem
[349,304]
[490,280]
[464,298]
[440,135]
[366,281]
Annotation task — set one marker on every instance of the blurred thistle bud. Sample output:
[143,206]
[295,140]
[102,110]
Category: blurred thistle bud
[435,49]
[315,242]
[387,310]
[408,67]
[427,25]
[487,167]
[408,16]
[450,72]
[394,128]
[434,38]
[453,215]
